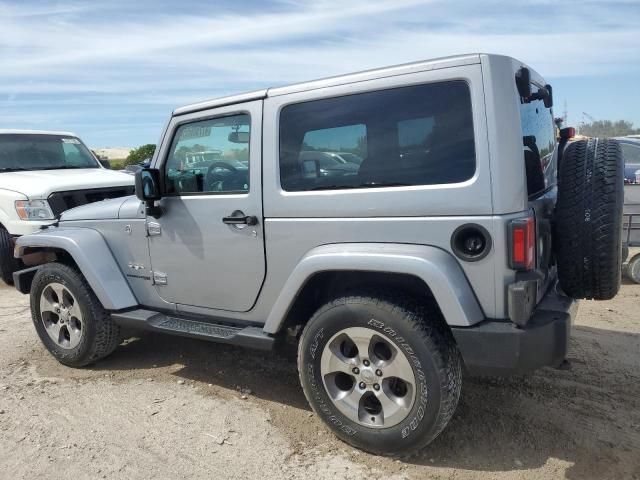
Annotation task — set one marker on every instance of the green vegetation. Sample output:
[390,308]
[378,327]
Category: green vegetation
[140,154]
[118,163]
[608,128]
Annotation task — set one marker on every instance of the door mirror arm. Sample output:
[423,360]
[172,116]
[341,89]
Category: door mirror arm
[153,210]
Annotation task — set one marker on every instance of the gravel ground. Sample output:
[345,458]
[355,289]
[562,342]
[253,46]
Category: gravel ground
[167,407]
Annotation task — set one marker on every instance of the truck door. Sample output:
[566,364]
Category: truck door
[207,247]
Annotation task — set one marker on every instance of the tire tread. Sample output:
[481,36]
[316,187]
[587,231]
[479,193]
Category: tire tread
[107,333]
[589,219]
[426,321]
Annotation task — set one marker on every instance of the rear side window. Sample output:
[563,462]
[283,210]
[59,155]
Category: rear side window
[539,143]
[417,135]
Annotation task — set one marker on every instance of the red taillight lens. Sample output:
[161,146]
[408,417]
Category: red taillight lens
[567,133]
[522,234]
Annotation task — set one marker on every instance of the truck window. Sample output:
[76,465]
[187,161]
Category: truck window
[539,145]
[209,156]
[416,135]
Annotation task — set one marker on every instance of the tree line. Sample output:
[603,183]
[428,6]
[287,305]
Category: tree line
[608,128]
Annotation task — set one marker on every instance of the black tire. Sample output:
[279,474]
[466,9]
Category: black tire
[100,335]
[589,219]
[8,263]
[415,330]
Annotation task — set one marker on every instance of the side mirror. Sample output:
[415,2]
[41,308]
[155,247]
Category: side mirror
[105,163]
[523,82]
[148,184]
[148,189]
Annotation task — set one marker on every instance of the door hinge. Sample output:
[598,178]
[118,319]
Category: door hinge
[159,278]
[153,229]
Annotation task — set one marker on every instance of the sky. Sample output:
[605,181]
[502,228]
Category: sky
[112,71]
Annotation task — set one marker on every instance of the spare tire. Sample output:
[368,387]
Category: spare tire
[589,219]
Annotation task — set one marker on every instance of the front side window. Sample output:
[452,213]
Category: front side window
[539,143]
[417,135]
[210,156]
[43,152]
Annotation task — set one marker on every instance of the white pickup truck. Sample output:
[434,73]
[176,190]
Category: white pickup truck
[43,174]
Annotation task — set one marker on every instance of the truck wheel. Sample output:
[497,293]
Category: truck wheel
[69,318]
[589,219]
[8,263]
[381,371]
[633,269]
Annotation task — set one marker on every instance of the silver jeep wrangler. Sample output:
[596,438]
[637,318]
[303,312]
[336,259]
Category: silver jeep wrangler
[401,225]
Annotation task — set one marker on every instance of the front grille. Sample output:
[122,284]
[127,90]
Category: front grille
[61,201]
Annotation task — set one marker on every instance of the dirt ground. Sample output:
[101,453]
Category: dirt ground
[166,407]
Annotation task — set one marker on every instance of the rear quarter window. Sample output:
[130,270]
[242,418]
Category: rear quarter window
[539,145]
[415,135]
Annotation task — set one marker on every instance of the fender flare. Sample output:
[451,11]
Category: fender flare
[436,267]
[91,253]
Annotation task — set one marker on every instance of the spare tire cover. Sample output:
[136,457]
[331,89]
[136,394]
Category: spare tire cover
[588,234]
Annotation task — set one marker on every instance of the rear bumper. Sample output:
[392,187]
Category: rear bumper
[499,347]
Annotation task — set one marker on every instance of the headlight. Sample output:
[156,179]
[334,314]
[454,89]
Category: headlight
[34,210]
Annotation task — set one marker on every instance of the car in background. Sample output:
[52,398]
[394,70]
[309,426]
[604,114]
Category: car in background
[631,155]
[327,164]
[42,174]
[132,169]
[346,157]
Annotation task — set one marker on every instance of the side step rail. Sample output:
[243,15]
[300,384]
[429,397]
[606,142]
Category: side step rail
[252,337]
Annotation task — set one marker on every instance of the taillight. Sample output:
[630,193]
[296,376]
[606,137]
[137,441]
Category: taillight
[522,235]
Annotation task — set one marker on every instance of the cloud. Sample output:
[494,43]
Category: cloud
[161,53]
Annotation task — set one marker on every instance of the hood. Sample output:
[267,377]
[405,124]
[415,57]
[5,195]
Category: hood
[39,184]
[122,207]
[103,210]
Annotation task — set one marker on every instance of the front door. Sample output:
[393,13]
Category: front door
[207,247]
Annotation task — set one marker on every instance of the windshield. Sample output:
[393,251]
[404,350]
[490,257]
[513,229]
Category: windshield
[43,152]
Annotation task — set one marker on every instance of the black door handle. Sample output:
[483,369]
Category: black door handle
[240,220]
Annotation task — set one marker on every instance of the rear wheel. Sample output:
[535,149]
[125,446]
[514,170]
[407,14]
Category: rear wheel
[381,372]
[589,219]
[8,263]
[69,318]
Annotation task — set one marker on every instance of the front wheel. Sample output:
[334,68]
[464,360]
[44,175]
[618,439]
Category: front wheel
[69,318]
[381,371]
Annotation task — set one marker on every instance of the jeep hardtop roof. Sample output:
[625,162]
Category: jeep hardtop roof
[420,66]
